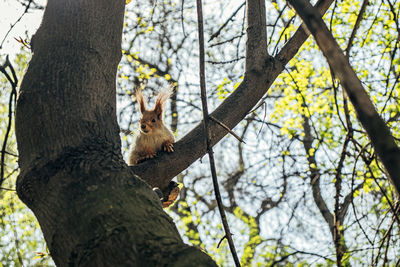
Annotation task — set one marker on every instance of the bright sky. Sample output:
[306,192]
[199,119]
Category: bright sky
[10,11]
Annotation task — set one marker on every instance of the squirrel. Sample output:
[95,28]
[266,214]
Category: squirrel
[153,135]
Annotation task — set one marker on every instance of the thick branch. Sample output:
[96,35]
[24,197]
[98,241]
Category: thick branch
[375,126]
[159,171]
[256,44]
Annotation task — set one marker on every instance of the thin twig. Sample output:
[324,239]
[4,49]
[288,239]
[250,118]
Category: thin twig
[226,22]
[15,23]
[356,26]
[16,237]
[352,197]
[13,83]
[299,252]
[265,115]
[225,62]
[228,41]
[222,239]
[338,219]
[182,20]
[8,189]
[207,132]
[227,129]
[153,8]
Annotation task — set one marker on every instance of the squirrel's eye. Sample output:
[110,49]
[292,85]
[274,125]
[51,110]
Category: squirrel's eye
[153,120]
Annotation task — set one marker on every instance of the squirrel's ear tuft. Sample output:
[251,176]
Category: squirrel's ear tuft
[140,99]
[162,97]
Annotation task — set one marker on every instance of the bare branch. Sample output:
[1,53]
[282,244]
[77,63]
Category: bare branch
[13,81]
[315,176]
[206,118]
[226,22]
[227,129]
[355,28]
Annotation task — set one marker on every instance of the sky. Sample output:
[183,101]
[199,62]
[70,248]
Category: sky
[10,11]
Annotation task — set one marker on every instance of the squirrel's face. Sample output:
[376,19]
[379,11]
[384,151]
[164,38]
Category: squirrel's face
[150,121]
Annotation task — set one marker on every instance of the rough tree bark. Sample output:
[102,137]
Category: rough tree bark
[92,208]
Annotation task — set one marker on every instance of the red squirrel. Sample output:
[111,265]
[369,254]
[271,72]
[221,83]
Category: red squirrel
[153,135]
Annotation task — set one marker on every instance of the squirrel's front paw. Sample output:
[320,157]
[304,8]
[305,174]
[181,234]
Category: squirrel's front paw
[150,155]
[168,146]
[146,155]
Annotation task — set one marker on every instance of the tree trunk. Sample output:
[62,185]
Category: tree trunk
[92,209]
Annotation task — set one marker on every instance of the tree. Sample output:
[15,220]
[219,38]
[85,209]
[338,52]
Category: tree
[84,195]
[72,173]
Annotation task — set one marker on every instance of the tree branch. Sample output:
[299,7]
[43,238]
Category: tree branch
[206,120]
[356,26]
[214,35]
[158,172]
[315,177]
[13,81]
